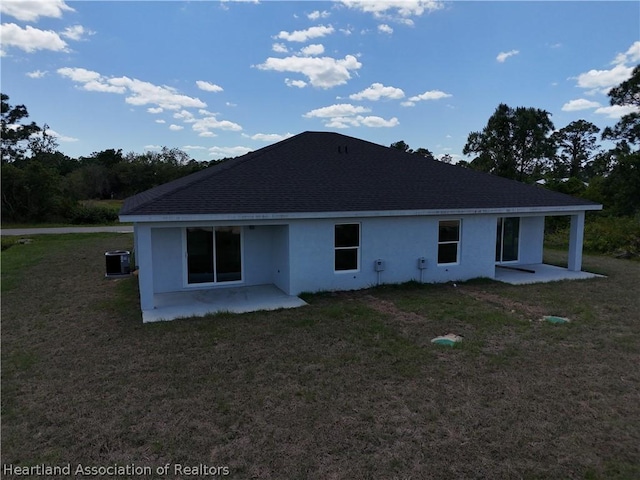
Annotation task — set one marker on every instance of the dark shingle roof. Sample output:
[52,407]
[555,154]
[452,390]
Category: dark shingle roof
[330,172]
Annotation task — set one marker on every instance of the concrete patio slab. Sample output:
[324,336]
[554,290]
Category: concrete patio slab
[538,273]
[169,306]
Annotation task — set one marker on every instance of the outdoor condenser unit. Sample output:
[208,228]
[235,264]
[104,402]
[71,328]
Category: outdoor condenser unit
[118,263]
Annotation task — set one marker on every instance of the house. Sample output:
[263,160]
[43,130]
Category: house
[324,211]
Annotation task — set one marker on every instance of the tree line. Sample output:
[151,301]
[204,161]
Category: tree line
[522,144]
[40,183]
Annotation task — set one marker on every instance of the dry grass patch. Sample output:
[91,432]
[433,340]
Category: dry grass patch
[348,387]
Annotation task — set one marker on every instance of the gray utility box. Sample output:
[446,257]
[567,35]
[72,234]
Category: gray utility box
[118,263]
[378,265]
[422,263]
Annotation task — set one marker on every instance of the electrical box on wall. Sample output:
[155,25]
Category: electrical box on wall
[378,265]
[422,263]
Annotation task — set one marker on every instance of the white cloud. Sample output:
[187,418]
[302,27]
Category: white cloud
[323,72]
[617,111]
[314,49]
[604,78]
[207,134]
[175,127]
[36,74]
[193,147]
[32,10]
[338,110]
[185,115]
[579,104]
[59,137]
[305,35]
[279,48]
[140,93]
[221,152]
[428,95]
[384,28]
[397,10]
[377,91]
[80,75]
[77,32]
[359,120]
[269,137]
[204,125]
[155,110]
[31,39]
[295,83]
[345,115]
[208,87]
[160,121]
[315,15]
[631,55]
[502,56]
[152,147]
[229,104]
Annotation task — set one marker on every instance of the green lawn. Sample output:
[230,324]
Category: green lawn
[347,387]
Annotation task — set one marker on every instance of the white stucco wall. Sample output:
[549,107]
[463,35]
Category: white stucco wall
[299,256]
[531,240]
[264,253]
[399,241]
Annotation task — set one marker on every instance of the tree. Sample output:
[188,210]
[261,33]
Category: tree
[404,147]
[514,144]
[622,186]
[578,147]
[14,135]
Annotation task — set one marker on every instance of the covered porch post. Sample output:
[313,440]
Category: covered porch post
[576,239]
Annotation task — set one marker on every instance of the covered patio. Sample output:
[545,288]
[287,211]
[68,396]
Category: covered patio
[172,305]
[538,273]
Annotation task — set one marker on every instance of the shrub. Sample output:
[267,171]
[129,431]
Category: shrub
[92,214]
[603,234]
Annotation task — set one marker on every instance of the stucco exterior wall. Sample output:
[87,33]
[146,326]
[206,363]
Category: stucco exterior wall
[531,240]
[399,241]
[299,256]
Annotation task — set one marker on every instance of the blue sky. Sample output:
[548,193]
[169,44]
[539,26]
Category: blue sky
[219,79]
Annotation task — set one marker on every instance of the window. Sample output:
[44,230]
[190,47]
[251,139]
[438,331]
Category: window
[507,236]
[448,241]
[347,246]
[213,255]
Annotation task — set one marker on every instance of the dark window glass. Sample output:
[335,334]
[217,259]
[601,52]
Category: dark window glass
[347,244]
[228,256]
[448,253]
[449,231]
[448,240]
[200,255]
[347,259]
[347,235]
[510,239]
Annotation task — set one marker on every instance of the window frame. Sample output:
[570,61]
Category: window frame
[350,247]
[450,242]
[216,282]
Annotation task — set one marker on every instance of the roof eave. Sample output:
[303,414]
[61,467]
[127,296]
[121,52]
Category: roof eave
[550,210]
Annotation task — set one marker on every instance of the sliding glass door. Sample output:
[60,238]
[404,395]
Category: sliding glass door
[507,239]
[214,254]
